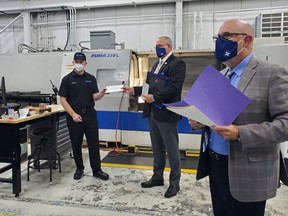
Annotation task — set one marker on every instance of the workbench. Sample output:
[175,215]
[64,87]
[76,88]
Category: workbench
[10,139]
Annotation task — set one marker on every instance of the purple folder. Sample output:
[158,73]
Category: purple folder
[212,100]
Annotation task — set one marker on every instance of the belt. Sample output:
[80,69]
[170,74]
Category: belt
[85,110]
[216,155]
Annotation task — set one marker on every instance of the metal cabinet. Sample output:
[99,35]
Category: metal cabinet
[60,139]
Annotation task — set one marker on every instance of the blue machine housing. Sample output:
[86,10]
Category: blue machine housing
[134,121]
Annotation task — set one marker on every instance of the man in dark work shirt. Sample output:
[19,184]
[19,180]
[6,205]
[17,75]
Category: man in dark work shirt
[78,91]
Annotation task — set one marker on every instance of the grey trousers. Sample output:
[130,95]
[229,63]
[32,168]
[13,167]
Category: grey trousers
[164,137]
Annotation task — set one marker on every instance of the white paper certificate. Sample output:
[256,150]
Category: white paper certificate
[145,90]
[114,88]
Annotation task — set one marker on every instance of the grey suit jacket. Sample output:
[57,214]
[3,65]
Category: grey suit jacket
[254,160]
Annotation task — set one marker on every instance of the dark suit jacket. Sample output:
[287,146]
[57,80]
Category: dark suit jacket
[175,69]
[254,162]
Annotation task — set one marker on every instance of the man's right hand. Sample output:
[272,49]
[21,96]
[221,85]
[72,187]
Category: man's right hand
[128,89]
[77,118]
[195,125]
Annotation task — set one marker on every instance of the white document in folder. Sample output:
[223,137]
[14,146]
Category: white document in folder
[191,112]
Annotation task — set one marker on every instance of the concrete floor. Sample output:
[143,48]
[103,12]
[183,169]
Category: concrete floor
[120,195]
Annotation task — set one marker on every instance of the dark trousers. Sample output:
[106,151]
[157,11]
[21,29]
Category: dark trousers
[224,204]
[89,127]
[164,137]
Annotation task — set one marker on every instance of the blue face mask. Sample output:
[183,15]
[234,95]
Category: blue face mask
[225,49]
[160,51]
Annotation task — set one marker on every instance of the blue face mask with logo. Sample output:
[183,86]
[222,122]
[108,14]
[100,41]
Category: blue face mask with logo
[225,49]
[160,52]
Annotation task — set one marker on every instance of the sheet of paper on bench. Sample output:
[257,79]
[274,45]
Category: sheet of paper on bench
[211,100]
[114,88]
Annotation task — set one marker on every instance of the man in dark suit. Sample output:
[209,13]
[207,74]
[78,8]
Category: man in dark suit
[242,159]
[163,124]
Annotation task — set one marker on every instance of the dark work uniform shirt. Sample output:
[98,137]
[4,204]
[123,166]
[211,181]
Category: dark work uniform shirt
[79,90]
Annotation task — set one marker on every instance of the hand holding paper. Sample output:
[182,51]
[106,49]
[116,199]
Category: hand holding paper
[212,100]
[195,125]
[114,88]
[156,82]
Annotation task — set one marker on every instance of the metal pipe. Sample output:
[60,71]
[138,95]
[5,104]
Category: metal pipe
[179,25]
[81,42]
[49,23]
[27,28]
[201,30]
[242,10]
[194,30]
[70,26]
[14,20]
[74,25]
[94,4]
[107,18]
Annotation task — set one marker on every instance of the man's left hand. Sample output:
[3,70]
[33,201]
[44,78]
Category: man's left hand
[148,98]
[229,133]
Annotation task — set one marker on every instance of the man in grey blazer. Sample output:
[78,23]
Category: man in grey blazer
[242,159]
[163,124]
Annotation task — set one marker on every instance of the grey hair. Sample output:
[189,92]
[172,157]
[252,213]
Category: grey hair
[167,39]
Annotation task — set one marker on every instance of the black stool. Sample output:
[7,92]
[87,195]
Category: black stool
[43,150]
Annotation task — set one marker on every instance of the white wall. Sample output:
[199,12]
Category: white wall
[137,25]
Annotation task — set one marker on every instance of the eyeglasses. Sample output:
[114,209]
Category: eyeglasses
[160,45]
[228,35]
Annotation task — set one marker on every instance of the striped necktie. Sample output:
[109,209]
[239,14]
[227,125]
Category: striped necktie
[159,66]
[206,138]
[229,74]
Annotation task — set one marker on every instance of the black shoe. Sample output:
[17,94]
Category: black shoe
[78,174]
[151,183]
[100,174]
[172,191]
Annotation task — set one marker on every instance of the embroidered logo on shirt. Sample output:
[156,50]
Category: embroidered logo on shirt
[88,81]
[73,83]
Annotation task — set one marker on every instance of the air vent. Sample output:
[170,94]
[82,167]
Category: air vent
[272,25]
